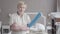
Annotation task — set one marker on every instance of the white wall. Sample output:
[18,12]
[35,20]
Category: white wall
[9,6]
[33,5]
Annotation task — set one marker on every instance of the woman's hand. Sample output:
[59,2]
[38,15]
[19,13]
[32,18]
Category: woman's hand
[15,27]
[24,28]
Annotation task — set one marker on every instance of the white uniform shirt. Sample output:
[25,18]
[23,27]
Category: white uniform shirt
[20,21]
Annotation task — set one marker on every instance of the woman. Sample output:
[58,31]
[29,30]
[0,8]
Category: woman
[19,20]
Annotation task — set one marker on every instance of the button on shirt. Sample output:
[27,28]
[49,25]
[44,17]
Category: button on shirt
[24,20]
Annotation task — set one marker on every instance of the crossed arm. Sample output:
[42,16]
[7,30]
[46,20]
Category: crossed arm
[15,27]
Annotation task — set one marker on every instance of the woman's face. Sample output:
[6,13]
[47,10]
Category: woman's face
[21,8]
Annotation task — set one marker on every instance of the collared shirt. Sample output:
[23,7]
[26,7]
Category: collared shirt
[24,20]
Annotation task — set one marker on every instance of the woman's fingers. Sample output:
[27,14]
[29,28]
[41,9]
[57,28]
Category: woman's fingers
[19,27]
[25,28]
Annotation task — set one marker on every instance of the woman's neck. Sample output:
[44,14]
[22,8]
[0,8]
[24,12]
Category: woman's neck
[20,14]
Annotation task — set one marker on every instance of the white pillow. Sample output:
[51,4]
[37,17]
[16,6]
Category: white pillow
[38,27]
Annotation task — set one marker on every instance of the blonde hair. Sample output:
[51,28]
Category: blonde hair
[21,3]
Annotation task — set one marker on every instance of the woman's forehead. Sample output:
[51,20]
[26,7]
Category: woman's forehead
[22,5]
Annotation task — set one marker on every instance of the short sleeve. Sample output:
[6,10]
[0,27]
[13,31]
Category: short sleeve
[29,19]
[11,20]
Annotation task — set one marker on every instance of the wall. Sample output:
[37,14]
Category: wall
[0,10]
[58,5]
[9,6]
[0,5]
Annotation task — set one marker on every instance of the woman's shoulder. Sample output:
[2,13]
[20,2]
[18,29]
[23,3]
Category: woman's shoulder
[26,14]
[13,15]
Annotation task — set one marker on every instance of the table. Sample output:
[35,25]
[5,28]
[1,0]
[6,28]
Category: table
[38,32]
